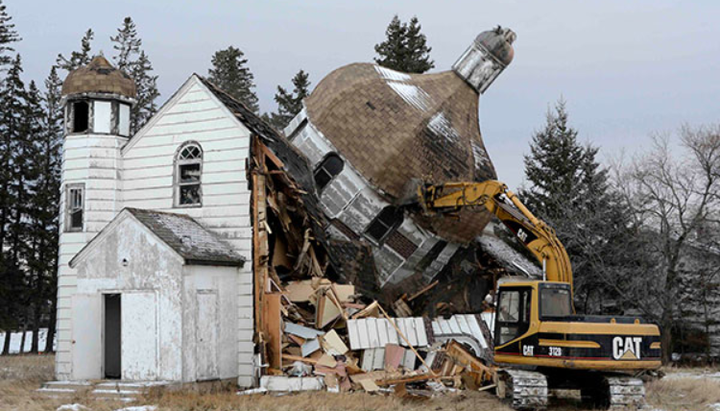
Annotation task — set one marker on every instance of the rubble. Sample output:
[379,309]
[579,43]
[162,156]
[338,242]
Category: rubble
[318,331]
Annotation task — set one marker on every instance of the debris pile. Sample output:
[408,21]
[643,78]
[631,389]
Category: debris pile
[317,332]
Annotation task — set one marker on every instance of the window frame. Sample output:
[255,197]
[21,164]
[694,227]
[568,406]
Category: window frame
[69,210]
[72,112]
[390,228]
[321,167]
[524,313]
[178,184]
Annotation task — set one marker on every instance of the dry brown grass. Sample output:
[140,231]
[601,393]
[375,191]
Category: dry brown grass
[20,376]
[684,394]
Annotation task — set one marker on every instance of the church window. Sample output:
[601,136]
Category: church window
[188,170]
[389,219]
[80,116]
[75,205]
[331,166]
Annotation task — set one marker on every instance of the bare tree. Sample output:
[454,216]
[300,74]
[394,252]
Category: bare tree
[671,199]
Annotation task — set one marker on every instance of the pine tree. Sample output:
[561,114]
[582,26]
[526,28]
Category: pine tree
[8,35]
[554,165]
[77,58]
[230,73]
[47,201]
[570,191]
[12,100]
[405,48]
[290,104]
[131,59]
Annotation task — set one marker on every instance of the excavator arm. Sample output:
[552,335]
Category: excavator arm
[533,233]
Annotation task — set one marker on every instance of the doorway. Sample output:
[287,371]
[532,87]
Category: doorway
[112,336]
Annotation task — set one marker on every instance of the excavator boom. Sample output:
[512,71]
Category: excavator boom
[533,233]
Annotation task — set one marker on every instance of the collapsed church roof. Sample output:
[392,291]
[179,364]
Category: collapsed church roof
[396,128]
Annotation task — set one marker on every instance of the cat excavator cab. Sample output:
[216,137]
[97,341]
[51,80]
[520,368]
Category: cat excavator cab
[539,340]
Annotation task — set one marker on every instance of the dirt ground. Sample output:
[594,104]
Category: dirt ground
[681,390]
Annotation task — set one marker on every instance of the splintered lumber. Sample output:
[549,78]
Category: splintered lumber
[405,380]
[369,311]
[301,331]
[299,291]
[327,310]
[334,343]
[423,290]
[272,320]
[369,385]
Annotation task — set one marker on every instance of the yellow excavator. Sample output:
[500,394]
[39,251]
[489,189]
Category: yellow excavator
[539,341]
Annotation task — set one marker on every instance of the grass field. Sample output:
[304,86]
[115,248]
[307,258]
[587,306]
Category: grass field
[20,376]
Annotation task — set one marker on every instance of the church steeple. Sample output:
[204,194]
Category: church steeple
[98,99]
[486,58]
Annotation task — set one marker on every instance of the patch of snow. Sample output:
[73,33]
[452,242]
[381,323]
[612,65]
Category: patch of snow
[440,125]
[72,407]
[412,94]
[139,408]
[715,406]
[389,74]
[507,255]
[701,375]
[16,339]
[480,155]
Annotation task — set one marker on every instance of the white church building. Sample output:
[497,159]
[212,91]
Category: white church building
[155,276]
[163,294]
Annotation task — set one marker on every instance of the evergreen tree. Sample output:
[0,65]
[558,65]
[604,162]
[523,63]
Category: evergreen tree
[570,191]
[290,103]
[12,100]
[77,58]
[554,166]
[405,48]
[131,59]
[230,73]
[8,35]
[47,201]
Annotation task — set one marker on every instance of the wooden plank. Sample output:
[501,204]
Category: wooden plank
[421,331]
[353,334]
[454,326]
[464,327]
[363,334]
[272,326]
[382,332]
[372,328]
[393,337]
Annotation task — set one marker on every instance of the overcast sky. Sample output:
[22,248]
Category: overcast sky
[626,68]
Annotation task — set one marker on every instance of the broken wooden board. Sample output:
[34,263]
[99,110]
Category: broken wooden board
[272,320]
[334,344]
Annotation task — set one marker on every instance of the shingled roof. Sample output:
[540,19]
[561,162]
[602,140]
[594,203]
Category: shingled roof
[187,237]
[99,76]
[396,127]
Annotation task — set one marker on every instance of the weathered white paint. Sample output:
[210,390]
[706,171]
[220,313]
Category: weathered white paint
[478,67]
[350,198]
[87,343]
[206,335]
[119,174]
[139,331]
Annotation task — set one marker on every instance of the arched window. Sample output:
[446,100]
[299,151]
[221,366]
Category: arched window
[188,170]
[389,218]
[331,166]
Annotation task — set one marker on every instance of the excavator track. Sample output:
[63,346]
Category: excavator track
[526,390]
[616,393]
[625,392]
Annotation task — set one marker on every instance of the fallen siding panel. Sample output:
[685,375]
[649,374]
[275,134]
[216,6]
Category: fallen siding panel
[377,332]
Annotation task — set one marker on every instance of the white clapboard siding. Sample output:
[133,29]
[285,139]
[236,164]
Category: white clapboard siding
[194,114]
[367,333]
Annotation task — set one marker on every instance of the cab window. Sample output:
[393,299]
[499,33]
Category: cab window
[513,314]
[555,302]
